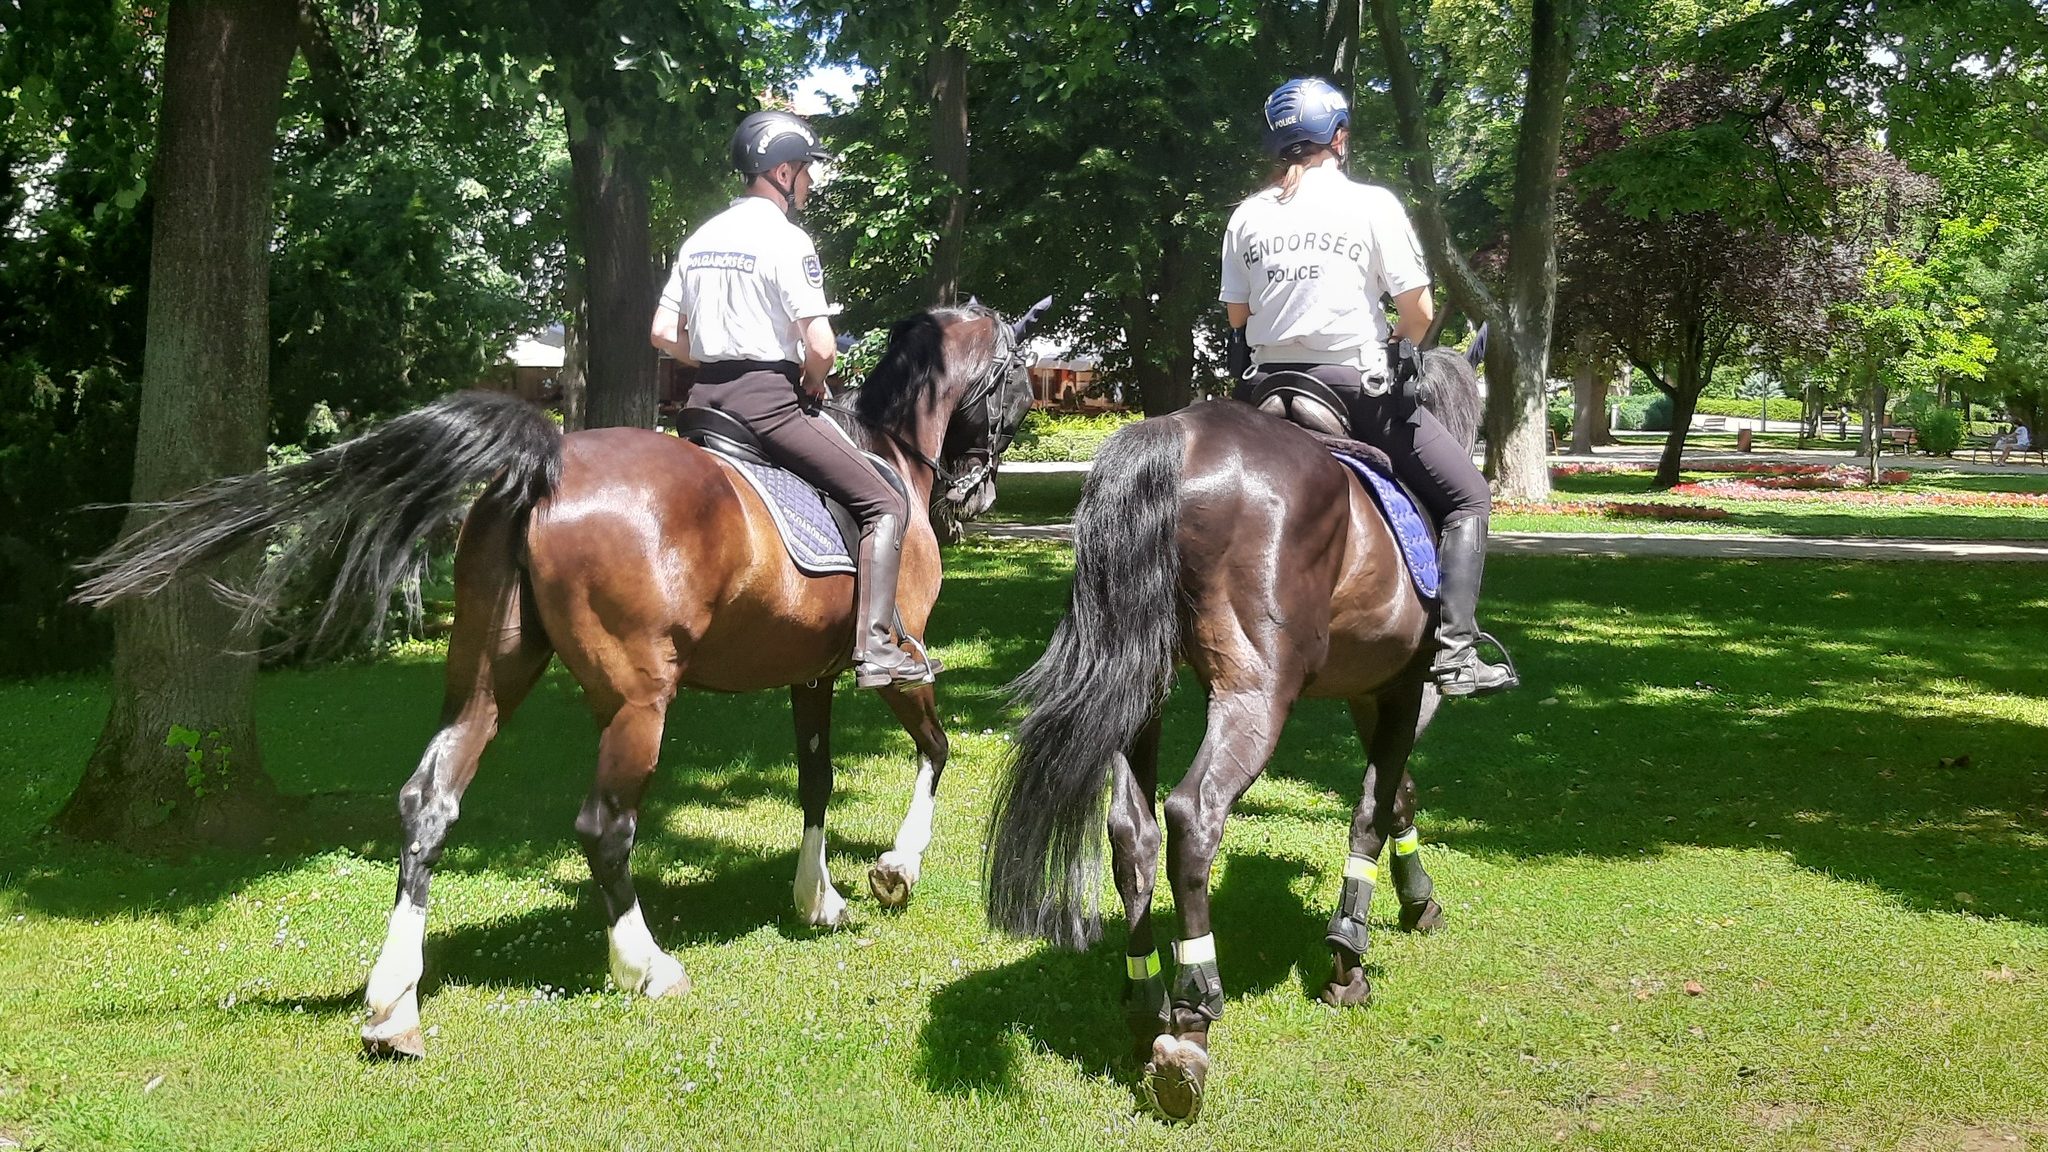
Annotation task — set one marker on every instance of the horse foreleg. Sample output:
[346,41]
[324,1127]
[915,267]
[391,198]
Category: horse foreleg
[894,876]
[1243,728]
[1134,846]
[492,664]
[817,901]
[606,825]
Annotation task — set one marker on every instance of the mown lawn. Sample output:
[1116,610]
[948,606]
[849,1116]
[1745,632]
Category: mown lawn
[1042,498]
[1728,773]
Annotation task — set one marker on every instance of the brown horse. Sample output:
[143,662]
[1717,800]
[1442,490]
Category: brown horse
[1231,540]
[640,560]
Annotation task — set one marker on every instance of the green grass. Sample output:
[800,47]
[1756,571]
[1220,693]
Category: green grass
[1045,498]
[1720,772]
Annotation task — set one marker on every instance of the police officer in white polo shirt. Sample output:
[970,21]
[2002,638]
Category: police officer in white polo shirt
[1306,261]
[746,303]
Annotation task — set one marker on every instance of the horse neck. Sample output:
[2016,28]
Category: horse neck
[925,431]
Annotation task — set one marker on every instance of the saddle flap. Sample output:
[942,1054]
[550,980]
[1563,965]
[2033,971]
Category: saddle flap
[1300,398]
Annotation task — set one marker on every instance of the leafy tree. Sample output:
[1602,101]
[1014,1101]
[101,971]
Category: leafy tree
[74,253]
[1703,218]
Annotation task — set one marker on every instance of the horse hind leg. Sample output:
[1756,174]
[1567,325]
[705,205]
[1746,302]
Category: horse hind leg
[895,874]
[1243,729]
[607,825]
[817,901]
[1134,848]
[494,658]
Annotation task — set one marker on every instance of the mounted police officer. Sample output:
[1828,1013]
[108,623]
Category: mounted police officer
[745,302]
[1306,261]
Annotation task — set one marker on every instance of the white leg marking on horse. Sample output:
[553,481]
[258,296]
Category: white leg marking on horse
[638,963]
[915,834]
[817,901]
[393,992]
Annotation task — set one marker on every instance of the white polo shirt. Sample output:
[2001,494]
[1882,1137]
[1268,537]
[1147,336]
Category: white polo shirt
[1313,269]
[742,280]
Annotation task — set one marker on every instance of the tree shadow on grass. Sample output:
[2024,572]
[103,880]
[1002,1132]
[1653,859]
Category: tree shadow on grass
[1780,706]
[1067,1002]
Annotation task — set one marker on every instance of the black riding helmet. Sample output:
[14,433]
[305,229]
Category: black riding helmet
[765,139]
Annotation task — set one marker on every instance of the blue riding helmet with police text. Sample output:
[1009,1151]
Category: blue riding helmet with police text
[1304,111]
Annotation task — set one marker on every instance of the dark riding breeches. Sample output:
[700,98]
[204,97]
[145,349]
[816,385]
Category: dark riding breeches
[1434,466]
[810,446]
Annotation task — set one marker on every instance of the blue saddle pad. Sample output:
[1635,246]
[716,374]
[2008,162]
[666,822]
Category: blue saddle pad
[1411,527]
[807,527]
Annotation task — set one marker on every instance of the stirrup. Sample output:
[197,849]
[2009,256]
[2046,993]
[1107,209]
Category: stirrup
[914,671]
[1464,681]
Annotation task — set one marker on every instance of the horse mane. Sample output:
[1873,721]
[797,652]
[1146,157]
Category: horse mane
[914,366]
[1450,390]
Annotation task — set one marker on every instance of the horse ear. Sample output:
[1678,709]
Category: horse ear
[1029,318]
[1475,353]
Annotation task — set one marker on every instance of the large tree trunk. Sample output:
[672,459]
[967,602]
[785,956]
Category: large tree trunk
[612,222]
[178,757]
[946,72]
[1518,361]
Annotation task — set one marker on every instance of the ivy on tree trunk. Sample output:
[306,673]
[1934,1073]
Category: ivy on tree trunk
[178,757]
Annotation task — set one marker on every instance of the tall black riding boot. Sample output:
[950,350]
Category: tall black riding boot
[878,661]
[1458,669]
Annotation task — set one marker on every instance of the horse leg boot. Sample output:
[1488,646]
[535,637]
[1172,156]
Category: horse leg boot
[878,660]
[1457,669]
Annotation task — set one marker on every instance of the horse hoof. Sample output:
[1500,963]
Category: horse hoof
[1425,918]
[1353,991]
[658,987]
[407,1045]
[1174,1079]
[890,885]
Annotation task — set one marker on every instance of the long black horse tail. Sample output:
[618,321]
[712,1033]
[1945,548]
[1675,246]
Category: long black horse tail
[350,518]
[1103,677]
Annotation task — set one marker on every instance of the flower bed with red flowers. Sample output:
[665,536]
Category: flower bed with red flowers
[1618,509]
[1870,497]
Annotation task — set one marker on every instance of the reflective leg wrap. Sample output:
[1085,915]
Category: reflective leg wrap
[1146,1007]
[1348,926]
[1411,883]
[1197,986]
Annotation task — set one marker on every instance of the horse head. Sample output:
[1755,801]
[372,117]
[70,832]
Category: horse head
[991,405]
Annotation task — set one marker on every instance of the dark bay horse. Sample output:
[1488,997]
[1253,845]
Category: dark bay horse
[1231,540]
[640,560]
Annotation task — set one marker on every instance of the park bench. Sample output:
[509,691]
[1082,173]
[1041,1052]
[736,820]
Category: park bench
[1981,451]
[1901,436]
[1712,423]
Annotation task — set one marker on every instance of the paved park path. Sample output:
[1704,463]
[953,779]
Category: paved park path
[1717,544]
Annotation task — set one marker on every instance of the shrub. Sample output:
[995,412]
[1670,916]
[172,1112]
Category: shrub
[1046,437]
[1560,413]
[1657,414]
[1939,431]
[1780,407]
[1628,416]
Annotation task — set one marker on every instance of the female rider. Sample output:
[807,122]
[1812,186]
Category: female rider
[1305,263]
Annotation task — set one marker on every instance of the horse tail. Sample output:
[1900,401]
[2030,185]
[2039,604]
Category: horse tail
[349,520]
[1450,387]
[1105,674]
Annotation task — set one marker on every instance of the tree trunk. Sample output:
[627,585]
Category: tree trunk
[178,757]
[1589,398]
[1342,21]
[1684,402]
[946,72]
[612,221]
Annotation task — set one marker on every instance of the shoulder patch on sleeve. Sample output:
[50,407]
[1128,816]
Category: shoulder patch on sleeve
[814,272]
